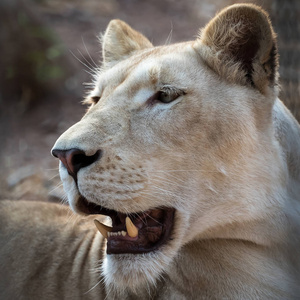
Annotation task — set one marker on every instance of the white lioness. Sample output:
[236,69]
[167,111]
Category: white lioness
[196,162]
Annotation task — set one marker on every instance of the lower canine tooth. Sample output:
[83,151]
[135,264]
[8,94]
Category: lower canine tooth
[131,229]
[103,229]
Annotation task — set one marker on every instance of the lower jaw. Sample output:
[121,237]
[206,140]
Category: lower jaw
[155,228]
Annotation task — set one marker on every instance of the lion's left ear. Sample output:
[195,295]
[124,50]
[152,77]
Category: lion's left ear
[121,41]
[240,45]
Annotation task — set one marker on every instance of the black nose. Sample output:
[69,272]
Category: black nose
[75,159]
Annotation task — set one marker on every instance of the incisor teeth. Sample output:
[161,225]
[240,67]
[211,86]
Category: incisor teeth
[131,229]
[103,229]
[123,233]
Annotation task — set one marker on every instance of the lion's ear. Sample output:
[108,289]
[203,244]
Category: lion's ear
[240,45]
[121,41]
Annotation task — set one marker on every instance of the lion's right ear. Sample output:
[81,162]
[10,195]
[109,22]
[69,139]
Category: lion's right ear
[121,41]
[240,45]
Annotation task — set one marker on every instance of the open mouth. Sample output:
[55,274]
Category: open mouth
[134,233]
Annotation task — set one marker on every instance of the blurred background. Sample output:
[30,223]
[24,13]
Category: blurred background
[48,50]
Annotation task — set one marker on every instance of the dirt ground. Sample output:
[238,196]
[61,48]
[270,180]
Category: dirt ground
[28,171]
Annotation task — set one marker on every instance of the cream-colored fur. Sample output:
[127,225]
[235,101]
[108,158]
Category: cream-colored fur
[225,154]
[47,253]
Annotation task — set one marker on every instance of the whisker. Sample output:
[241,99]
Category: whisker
[168,181]
[55,169]
[89,53]
[89,83]
[153,219]
[169,38]
[88,63]
[55,188]
[92,288]
[54,176]
[168,175]
[167,171]
[160,191]
[88,72]
[91,69]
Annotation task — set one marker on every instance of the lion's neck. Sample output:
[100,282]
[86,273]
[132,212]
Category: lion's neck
[209,269]
[287,133]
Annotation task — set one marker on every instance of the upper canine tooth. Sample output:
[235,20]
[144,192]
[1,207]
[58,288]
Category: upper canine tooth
[103,229]
[131,228]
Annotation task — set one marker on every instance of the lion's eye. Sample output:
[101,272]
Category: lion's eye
[165,97]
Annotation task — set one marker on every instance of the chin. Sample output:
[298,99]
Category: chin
[134,272]
[137,263]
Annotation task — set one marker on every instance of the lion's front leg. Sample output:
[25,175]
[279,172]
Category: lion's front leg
[48,253]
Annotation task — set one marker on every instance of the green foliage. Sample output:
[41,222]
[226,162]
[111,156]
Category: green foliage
[41,52]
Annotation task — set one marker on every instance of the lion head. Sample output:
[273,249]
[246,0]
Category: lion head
[177,144]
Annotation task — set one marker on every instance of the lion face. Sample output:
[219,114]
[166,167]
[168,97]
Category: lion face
[165,150]
[141,168]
